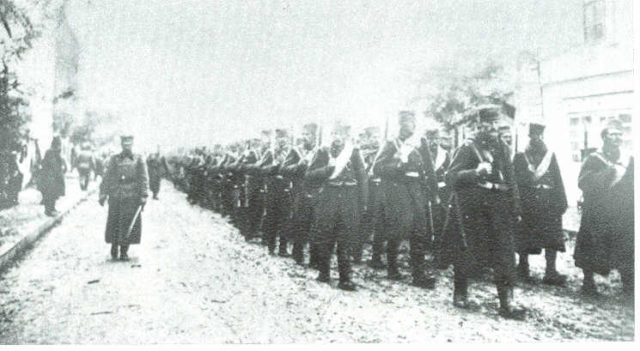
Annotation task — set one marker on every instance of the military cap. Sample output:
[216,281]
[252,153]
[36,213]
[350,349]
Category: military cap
[126,139]
[614,124]
[341,127]
[56,142]
[372,131]
[504,128]
[406,116]
[536,129]
[432,133]
[281,133]
[310,127]
[488,113]
[267,132]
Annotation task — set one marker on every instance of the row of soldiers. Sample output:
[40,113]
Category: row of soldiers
[474,207]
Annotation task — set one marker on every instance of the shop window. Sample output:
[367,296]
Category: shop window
[625,118]
[594,19]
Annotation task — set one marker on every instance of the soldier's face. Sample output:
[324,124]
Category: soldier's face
[445,142]
[489,128]
[406,130]
[127,146]
[281,141]
[338,139]
[309,139]
[613,138]
[506,138]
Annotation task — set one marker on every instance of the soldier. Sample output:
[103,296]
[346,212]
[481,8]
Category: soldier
[543,202]
[85,164]
[158,167]
[51,183]
[505,135]
[125,186]
[485,207]
[304,191]
[402,169]
[278,200]
[430,144]
[372,220]
[255,185]
[249,226]
[606,237]
[341,171]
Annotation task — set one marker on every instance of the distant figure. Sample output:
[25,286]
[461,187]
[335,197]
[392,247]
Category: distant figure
[606,237]
[158,167]
[85,163]
[125,186]
[51,183]
[10,180]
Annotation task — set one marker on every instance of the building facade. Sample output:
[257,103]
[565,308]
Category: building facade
[576,92]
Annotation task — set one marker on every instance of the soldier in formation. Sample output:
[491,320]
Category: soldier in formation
[474,207]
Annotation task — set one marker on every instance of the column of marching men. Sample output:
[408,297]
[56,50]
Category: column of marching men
[474,207]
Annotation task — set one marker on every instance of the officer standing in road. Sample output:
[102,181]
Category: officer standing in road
[543,202]
[484,211]
[405,172]
[125,187]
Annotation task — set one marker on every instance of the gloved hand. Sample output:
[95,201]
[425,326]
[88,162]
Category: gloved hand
[143,202]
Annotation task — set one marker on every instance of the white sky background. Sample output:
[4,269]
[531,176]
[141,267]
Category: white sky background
[201,72]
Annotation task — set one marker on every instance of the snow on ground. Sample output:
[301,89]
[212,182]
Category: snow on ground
[195,280]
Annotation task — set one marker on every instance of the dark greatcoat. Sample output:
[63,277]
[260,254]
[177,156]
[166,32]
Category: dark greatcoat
[125,183]
[51,178]
[404,196]
[487,216]
[606,237]
[337,207]
[158,168]
[543,203]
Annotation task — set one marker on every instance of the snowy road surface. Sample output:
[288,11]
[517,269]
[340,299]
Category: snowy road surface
[195,280]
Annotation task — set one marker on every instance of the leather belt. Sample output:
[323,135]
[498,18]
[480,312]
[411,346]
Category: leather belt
[543,186]
[412,174]
[343,183]
[494,186]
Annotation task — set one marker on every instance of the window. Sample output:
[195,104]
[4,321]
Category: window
[593,20]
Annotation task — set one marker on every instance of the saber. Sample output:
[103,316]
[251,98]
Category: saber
[133,222]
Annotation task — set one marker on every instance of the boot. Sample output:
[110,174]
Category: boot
[347,285]
[123,252]
[298,254]
[505,295]
[551,275]
[460,293]
[114,252]
[589,284]
[423,281]
[523,269]
[393,273]
[376,261]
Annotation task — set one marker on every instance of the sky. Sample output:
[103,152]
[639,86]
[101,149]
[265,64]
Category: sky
[202,72]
